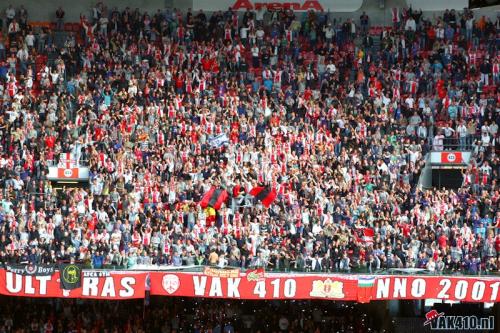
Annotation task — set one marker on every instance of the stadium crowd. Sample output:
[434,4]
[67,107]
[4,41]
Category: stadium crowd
[334,115]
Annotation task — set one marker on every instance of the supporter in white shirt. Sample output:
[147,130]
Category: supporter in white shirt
[244,33]
[17,183]
[410,25]
[410,102]
[331,68]
[10,13]
[30,39]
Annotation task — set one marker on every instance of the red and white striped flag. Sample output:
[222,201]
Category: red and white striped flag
[395,15]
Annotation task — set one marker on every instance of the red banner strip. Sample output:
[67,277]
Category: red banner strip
[255,285]
[95,285]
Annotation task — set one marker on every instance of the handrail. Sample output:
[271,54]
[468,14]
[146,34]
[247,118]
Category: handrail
[355,271]
[457,144]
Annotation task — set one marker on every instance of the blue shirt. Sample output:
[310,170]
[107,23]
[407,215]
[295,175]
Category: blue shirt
[268,84]
[176,261]
[98,261]
[452,111]
[481,231]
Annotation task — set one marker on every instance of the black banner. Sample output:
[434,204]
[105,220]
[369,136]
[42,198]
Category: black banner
[31,269]
[70,276]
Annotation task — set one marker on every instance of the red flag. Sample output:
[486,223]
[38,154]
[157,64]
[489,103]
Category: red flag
[395,15]
[365,235]
[214,198]
[206,198]
[266,195]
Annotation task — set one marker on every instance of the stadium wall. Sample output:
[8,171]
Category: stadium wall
[379,15]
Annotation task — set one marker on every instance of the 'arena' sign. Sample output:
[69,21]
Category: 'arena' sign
[296,5]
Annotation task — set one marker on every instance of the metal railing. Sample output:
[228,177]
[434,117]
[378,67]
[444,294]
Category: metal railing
[55,163]
[457,144]
[353,270]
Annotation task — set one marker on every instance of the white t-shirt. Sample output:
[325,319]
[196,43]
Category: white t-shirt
[10,13]
[255,51]
[243,33]
[29,40]
[462,131]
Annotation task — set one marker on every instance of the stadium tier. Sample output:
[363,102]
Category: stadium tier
[259,151]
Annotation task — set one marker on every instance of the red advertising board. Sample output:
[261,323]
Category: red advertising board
[468,289]
[256,284]
[326,286]
[451,157]
[69,173]
[95,284]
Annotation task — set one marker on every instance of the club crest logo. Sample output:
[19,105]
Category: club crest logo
[31,269]
[327,289]
[71,274]
[171,283]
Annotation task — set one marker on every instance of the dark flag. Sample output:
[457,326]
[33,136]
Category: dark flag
[214,198]
[70,276]
[264,194]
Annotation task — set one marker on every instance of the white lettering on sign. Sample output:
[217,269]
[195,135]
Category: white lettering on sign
[108,289]
[127,283]
[276,289]
[399,288]
[418,288]
[383,287]
[494,291]
[13,287]
[290,288]
[461,289]
[215,288]
[478,290]
[200,286]
[14,283]
[200,283]
[90,286]
[43,283]
[28,287]
[232,287]
[260,289]
[443,293]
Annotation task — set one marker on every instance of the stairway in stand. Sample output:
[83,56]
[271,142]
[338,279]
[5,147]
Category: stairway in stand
[377,43]
[59,38]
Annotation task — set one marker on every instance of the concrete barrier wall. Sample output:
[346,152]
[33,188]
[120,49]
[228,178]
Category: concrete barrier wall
[44,10]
